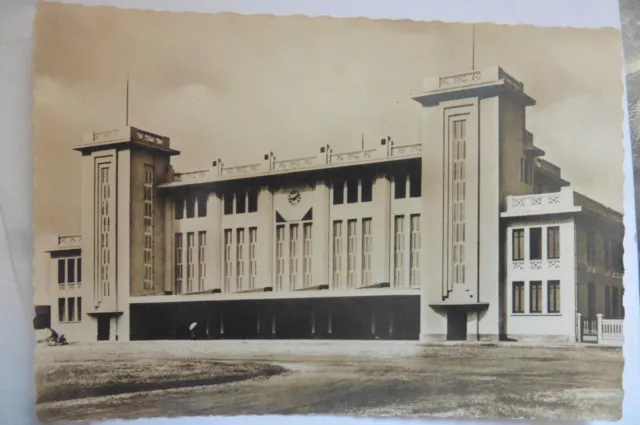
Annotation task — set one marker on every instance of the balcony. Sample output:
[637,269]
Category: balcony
[540,204]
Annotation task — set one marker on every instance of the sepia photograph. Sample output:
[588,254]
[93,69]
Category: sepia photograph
[255,214]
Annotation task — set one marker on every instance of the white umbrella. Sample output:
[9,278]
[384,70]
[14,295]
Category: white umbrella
[193,325]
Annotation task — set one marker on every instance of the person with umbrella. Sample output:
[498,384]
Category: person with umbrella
[192,330]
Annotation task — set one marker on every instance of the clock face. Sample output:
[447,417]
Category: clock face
[294,197]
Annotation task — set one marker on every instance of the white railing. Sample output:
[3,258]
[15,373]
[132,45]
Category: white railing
[600,331]
[541,203]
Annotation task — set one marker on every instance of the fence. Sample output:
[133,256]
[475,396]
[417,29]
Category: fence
[600,331]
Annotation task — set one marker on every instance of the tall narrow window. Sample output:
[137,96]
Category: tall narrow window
[104,260]
[293,256]
[616,302]
[338,192]
[202,204]
[400,186]
[253,200]
[148,227]
[535,243]
[280,257]
[415,185]
[307,255]
[178,263]
[398,251]
[228,203]
[253,265]
[241,202]
[458,200]
[61,310]
[553,242]
[535,297]
[517,303]
[61,271]
[553,296]
[606,245]
[202,260]
[191,206]
[414,249]
[352,191]
[366,189]
[190,265]
[337,254]
[591,248]
[79,269]
[352,239]
[518,245]
[367,247]
[71,304]
[178,208]
[228,265]
[240,260]
[79,309]
[71,270]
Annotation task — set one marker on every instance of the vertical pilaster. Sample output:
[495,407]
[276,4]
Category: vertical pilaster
[214,241]
[382,228]
[169,248]
[265,246]
[123,245]
[321,231]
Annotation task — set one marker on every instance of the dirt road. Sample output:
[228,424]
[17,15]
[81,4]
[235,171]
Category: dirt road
[366,379]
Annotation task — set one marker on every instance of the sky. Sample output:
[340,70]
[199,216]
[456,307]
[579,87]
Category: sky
[235,87]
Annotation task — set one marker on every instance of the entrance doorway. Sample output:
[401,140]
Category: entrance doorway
[456,325]
[104,327]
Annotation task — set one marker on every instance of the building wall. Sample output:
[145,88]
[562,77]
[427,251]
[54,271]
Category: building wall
[548,324]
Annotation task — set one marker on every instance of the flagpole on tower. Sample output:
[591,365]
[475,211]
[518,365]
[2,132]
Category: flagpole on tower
[473,47]
[127,105]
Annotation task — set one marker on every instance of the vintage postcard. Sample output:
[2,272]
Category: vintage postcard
[291,215]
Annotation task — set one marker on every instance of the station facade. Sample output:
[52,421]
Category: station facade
[467,234]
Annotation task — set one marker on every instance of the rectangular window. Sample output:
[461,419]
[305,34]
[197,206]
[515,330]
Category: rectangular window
[367,247]
[400,186]
[71,304]
[606,249]
[553,296]
[190,264]
[228,203]
[71,270]
[352,240]
[228,265]
[366,189]
[191,206]
[178,262]
[415,185]
[240,260]
[518,245]
[61,272]
[253,264]
[414,249]
[338,192]
[178,207]
[535,243]
[148,227]
[61,310]
[293,256]
[591,247]
[202,204]
[307,255]
[280,257]
[79,269]
[79,309]
[517,303]
[202,260]
[352,191]
[607,302]
[241,202]
[253,200]
[535,297]
[553,242]
[616,299]
[337,254]
[398,251]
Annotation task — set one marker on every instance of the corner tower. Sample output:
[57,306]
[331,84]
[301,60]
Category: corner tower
[122,224]
[474,153]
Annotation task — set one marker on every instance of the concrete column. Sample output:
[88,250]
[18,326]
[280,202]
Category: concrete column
[258,324]
[169,241]
[265,247]
[390,321]
[321,233]
[214,242]
[330,325]
[579,327]
[273,325]
[373,320]
[599,327]
[221,322]
[381,230]
[313,323]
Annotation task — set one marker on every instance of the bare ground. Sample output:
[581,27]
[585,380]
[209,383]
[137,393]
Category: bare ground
[370,379]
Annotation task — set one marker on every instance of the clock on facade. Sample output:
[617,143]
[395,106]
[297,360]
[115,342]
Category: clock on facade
[294,197]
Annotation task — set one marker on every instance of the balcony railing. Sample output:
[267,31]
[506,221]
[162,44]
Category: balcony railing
[541,203]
